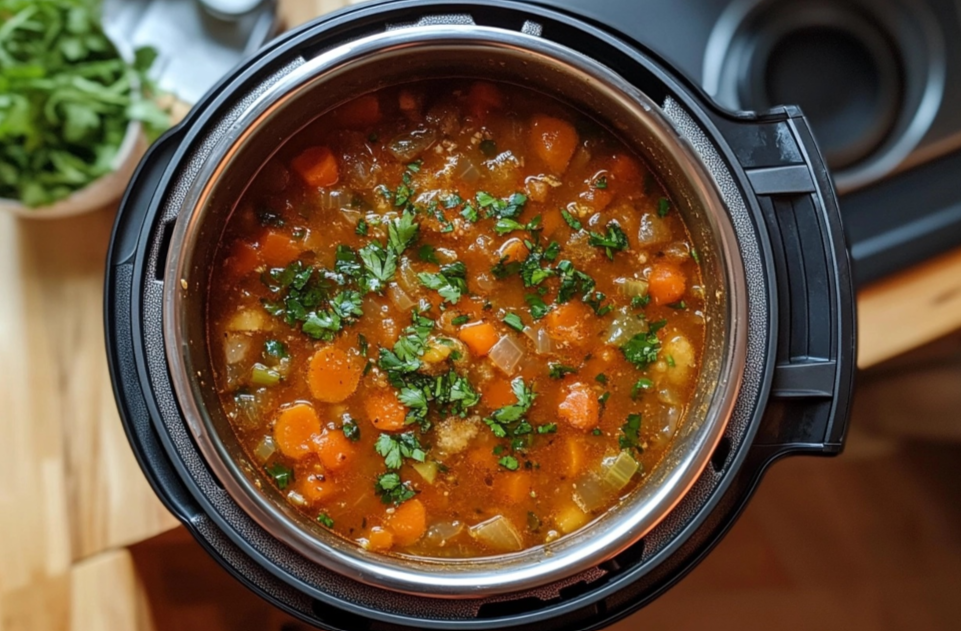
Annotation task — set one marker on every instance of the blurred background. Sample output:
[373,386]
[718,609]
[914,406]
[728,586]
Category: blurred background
[867,541]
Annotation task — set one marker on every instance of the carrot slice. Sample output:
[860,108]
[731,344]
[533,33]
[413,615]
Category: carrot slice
[513,250]
[316,489]
[666,284]
[554,141]
[380,539]
[334,450]
[480,337]
[316,166]
[484,97]
[278,249]
[333,375]
[408,522]
[360,113]
[499,394]
[580,407]
[385,412]
[567,323]
[295,429]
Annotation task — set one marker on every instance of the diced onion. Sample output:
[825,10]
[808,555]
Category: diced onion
[666,420]
[332,199]
[427,470]
[265,448]
[445,255]
[248,410]
[236,348]
[407,277]
[632,287]
[618,473]
[485,282]
[591,493]
[669,396]
[439,533]
[570,518]
[399,297]
[498,533]
[541,339]
[467,171]
[407,146]
[625,325]
[506,354]
[652,230]
[296,499]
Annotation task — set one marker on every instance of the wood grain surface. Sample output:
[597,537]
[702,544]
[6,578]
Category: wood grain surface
[72,496]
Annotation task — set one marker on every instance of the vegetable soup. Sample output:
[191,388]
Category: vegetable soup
[455,319]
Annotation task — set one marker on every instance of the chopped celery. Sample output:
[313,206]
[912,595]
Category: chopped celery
[427,470]
[619,473]
[260,375]
[498,533]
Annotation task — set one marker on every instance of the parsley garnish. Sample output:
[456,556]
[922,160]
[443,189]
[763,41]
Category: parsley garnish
[510,208]
[276,349]
[670,361]
[695,256]
[613,241]
[325,520]
[392,490]
[283,476]
[571,220]
[450,283]
[601,182]
[488,148]
[559,371]
[351,430]
[630,433]
[395,448]
[362,228]
[514,321]
[405,356]
[381,264]
[509,462]
[538,307]
[601,378]
[663,207]
[642,349]
[362,345]
[428,254]
[603,398]
[640,385]
[511,414]
[639,302]
[460,320]
[550,428]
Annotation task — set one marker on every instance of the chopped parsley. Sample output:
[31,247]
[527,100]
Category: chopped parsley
[509,462]
[695,256]
[362,345]
[282,476]
[488,148]
[663,207]
[679,305]
[428,254]
[451,393]
[450,282]
[362,228]
[325,520]
[510,208]
[392,490]
[506,225]
[601,378]
[460,320]
[514,321]
[510,417]
[395,448]
[351,430]
[639,302]
[571,220]
[276,349]
[614,240]
[538,307]
[470,213]
[559,371]
[642,349]
[404,358]
[550,428]
[597,431]
[630,433]
[601,182]
[573,282]
[380,264]
[670,361]
[603,398]
[641,385]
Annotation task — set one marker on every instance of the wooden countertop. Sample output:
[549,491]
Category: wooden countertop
[73,496]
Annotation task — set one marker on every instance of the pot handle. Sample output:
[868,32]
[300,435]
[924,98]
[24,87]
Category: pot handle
[816,346]
[124,364]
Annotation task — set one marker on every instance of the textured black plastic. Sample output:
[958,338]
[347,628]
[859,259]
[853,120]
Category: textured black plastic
[645,570]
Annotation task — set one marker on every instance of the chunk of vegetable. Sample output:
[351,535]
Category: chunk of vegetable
[652,230]
[316,489]
[619,472]
[625,325]
[569,518]
[266,448]
[295,429]
[316,166]
[667,284]
[334,450]
[278,249]
[385,411]
[436,352]
[236,348]
[440,533]
[497,533]
[513,250]
[513,487]
[480,337]
[333,375]
[483,98]
[408,146]
[554,141]
[399,297]
[681,350]
[541,339]
[506,354]
[408,522]
[360,113]
[263,376]
[427,470]
[379,539]
[580,408]
[567,323]
[247,320]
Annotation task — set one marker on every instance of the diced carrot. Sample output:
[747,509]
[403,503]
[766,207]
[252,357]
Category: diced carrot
[554,141]
[243,259]
[514,250]
[408,522]
[385,411]
[498,394]
[580,408]
[513,487]
[333,375]
[552,221]
[484,97]
[278,249]
[380,539]
[567,323]
[316,166]
[480,337]
[666,284]
[316,489]
[295,429]
[625,170]
[334,450]
[360,113]
[597,198]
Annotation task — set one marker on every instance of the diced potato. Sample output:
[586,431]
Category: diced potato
[248,320]
[569,518]
[679,348]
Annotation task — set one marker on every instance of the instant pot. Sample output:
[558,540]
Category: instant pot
[753,187]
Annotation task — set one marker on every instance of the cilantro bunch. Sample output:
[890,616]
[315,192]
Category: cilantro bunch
[66,98]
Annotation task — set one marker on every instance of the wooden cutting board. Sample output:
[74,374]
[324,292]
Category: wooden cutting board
[71,494]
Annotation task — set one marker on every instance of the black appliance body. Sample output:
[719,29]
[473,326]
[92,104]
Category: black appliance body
[794,399]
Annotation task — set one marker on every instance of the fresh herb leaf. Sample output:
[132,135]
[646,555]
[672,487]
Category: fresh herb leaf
[510,208]
[428,254]
[696,256]
[460,320]
[392,490]
[571,220]
[351,429]
[282,476]
[639,302]
[642,349]
[501,419]
[276,349]
[401,232]
[641,385]
[601,378]
[362,228]
[325,520]
[597,431]
[538,307]
[362,345]
[670,361]
[679,305]
[559,371]
[450,282]
[514,321]
[395,448]
[488,148]
[601,182]
[663,207]
[630,433]
[381,265]
[614,240]
[603,398]
[550,428]
[509,462]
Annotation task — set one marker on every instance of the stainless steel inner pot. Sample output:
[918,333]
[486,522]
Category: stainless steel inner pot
[403,55]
